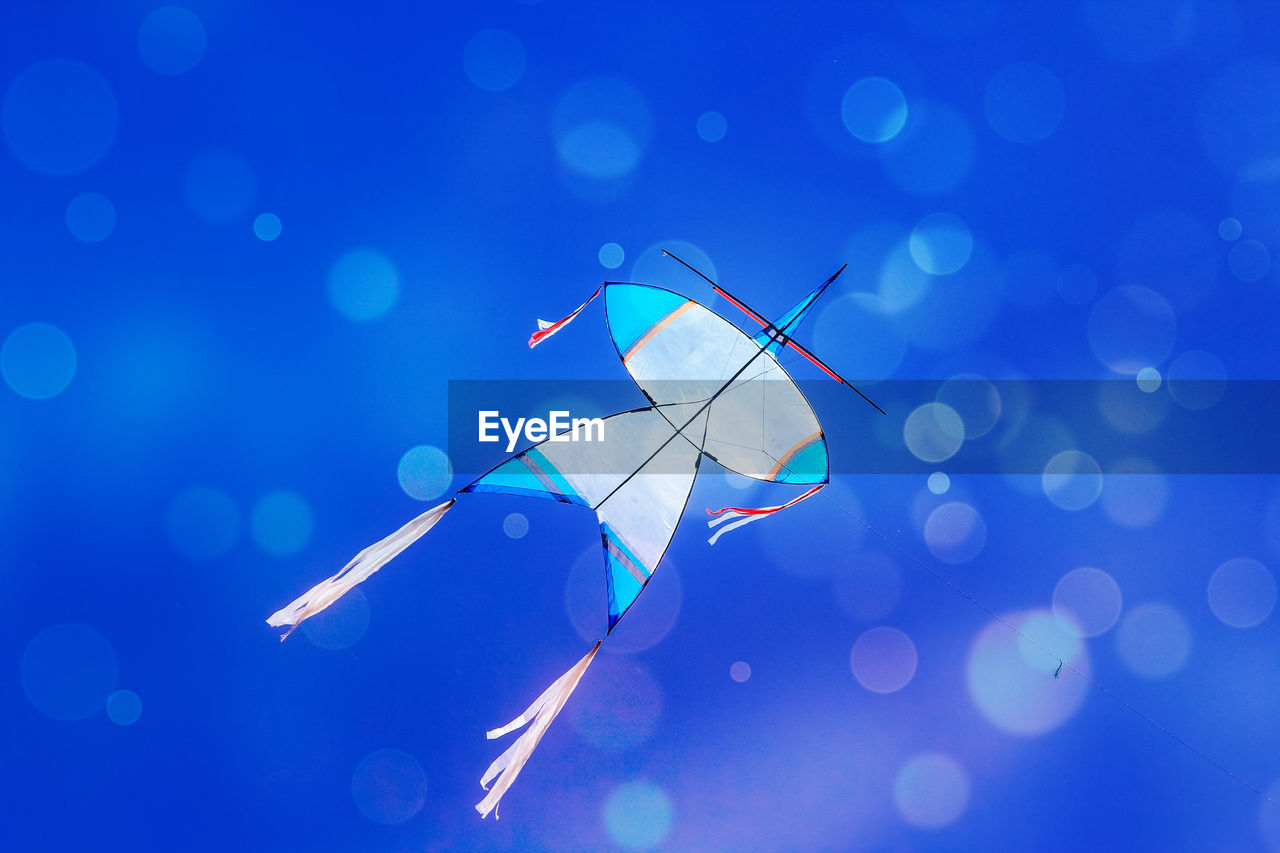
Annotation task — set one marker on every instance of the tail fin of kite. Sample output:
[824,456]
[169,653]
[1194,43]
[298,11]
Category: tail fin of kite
[544,709]
[740,516]
[546,329]
[361,566]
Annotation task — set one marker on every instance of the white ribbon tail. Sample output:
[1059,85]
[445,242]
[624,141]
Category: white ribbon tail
[738,521]
[741,516]
[547,329]
[544,709]
[361,566]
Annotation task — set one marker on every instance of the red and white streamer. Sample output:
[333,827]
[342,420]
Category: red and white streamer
[546,330]
[739,516]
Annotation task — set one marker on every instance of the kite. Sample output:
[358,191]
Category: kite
[714,392]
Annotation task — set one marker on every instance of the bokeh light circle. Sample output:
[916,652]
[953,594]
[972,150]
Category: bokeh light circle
[883,659]
[124,707]
[1149,380]
[203,523]
[1134,493]
[494,60]
[1196,380]
[1072,480]
[341,625]
[939,483]
[1088,599]
[171,40]
[389,786]
[638,815]
[424,472]
[267,227]
[1047,639]
[1153,640]
[941,243]
[931,790]
[903,282]
[599,150]
[651,266]
[281,523]
[1249,260]
[68,671]
[363,285]
[874,109]
[611,256]
[1024,102]
[219,186]
[1077,284]
[38,361]
[955,532]
[59,117]
[955,310]
[1013,685]
[975,399]
[1130,328]
[712,126]
[1242,593]
[1230,229]
[515,525]
[740,671]
[601,128]
[90,217]
[933,432]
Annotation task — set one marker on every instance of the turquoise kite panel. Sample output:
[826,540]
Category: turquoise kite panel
[808,467]
[633,309]
[788,322]
[530,474]
[624,574]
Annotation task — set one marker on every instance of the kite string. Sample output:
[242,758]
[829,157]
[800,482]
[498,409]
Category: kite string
[1094,682]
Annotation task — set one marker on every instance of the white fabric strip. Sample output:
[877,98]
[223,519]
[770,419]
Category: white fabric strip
[508,765]
[361,567]
[740,521]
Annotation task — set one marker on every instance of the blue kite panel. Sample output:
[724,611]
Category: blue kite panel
[633,309]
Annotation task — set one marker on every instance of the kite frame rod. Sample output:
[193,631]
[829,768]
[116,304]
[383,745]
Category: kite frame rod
[783,338]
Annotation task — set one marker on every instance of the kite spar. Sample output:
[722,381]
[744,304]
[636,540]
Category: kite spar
[713,392]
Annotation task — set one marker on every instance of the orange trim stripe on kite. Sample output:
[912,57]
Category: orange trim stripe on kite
[654,329]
